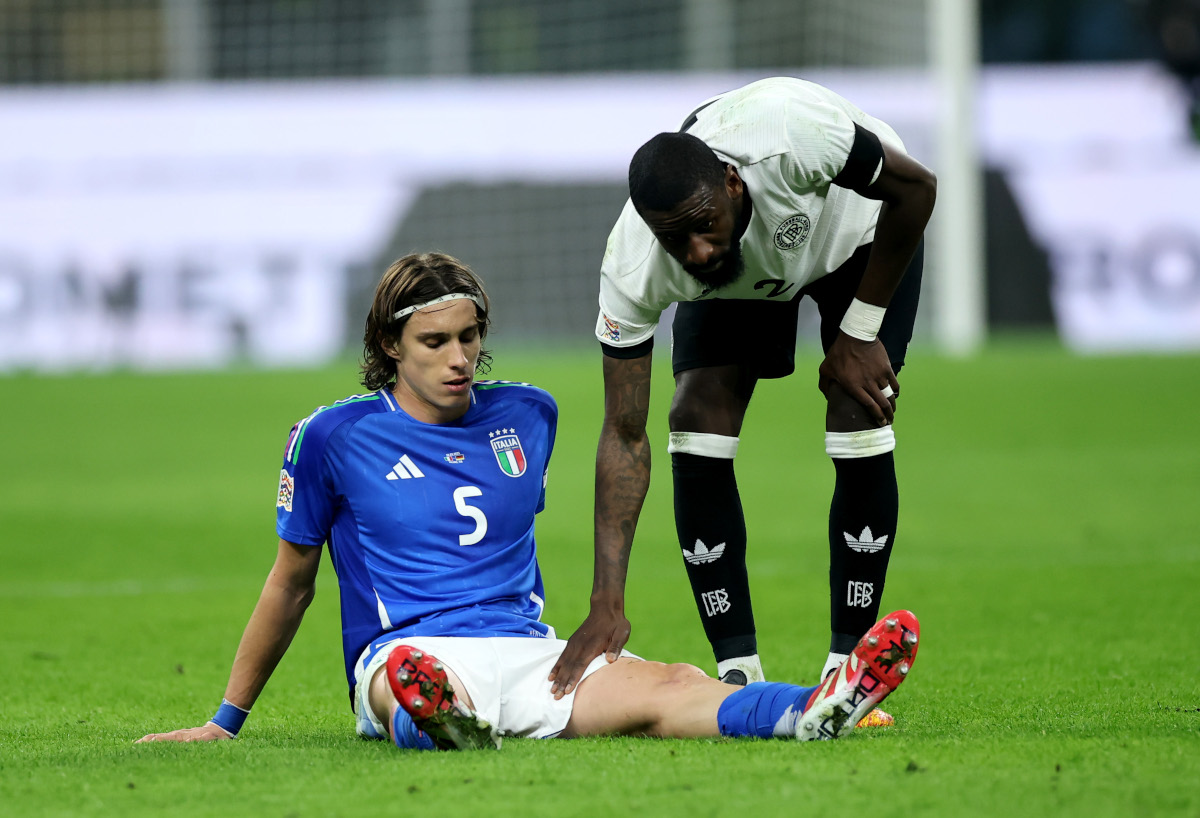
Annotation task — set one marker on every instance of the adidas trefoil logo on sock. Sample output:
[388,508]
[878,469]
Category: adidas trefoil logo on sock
[864,542]
[703,553]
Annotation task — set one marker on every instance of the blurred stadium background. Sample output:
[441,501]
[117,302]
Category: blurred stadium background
[195,183]
[215,185]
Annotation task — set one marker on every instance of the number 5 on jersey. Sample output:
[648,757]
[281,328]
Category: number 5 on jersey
[460,502]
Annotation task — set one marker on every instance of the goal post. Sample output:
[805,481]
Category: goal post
[959,310]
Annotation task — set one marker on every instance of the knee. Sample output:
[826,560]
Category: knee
[842,412]
[706,402]
[683,673]
[690,413]
[678,675]
[677,685]
[850,432]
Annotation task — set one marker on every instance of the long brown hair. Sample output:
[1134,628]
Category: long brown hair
[415,279]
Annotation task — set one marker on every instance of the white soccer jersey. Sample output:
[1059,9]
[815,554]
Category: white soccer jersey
[788,139]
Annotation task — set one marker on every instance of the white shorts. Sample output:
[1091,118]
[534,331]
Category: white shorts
[505,676]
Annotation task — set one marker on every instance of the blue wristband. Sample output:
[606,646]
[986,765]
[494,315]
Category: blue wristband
[230,717]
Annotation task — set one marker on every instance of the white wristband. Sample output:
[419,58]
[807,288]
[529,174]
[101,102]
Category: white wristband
[862,320]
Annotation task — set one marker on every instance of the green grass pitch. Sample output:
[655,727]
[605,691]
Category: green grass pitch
[1049,541]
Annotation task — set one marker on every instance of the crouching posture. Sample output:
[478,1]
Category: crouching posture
[425,491]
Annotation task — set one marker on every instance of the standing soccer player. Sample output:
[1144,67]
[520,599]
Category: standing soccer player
[775,191]
[425,491]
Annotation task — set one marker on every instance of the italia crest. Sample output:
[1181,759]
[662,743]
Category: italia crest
[509,454]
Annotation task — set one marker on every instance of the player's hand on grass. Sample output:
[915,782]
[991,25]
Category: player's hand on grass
[206,732]
[606,630]
[864,372]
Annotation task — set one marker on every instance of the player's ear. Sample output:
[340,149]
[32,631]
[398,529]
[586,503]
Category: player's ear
[391,347]
[733,183]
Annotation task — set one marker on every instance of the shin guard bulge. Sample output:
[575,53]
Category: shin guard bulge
[862,528]
[712,536]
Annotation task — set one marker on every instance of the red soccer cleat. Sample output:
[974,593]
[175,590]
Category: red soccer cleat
[419,683]
[876,667]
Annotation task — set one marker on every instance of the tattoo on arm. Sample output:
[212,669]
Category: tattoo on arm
[622,464]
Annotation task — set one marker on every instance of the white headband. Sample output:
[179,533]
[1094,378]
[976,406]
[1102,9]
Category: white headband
[439,300]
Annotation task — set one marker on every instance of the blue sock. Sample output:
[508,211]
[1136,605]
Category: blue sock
[763,709]
[406,735]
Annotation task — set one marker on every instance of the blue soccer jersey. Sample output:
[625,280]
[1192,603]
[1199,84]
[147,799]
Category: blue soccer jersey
[430,526]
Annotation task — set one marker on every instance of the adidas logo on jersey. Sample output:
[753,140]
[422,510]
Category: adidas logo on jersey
[703,553]
[864,543]
[404,469]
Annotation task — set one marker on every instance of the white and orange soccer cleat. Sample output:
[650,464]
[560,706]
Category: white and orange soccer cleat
[419,683]
[878,664]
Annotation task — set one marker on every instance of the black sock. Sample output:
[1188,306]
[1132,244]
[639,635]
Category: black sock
[712,534]
[864,497]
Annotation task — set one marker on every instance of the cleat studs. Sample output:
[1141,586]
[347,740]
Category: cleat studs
[903,668]
[809,726]
[890,624]
[437,666]
[403,677]
[872,641]
[910,638]
[417,702]
[417,655]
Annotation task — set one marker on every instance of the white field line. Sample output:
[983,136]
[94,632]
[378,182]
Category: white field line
[120,587]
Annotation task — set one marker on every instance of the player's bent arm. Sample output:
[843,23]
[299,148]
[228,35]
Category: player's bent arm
[622,478]
[285,597]
[908,191]
[622,473]
[857,362]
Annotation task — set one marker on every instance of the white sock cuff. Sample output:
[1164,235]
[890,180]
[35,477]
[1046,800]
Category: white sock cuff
[867,443]
[833,663]
[705,445]
[750,665]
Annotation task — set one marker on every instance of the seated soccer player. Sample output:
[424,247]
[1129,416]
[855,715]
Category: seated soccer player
[425,491]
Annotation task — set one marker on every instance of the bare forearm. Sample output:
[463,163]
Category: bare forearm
[622,472]
[622,478]
[897,235]
[272,625]
[908,191]
[281,605]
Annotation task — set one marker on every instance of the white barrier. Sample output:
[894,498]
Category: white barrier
[169,226]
